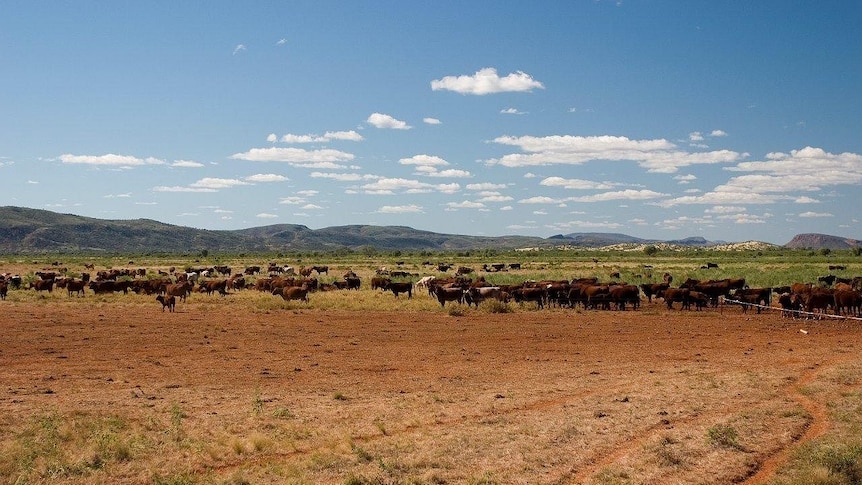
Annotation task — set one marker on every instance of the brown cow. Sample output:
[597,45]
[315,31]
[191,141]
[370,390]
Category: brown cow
[847,302]
[651,289]
[449,294]
[672,295]
[167,301]
[4,289]
[43,285]
[398,288]
[538,295]
[292,293]
[180,290]
[622,294]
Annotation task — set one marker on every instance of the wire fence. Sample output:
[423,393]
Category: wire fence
[798,313]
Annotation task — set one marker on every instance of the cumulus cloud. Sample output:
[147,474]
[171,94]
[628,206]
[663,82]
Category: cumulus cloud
[695,136]
[539,199]
[487,81]
[310,138]
[780,176]
[176,188]
[431,121]
[298,157]
[400,209]
[266,177]
[808,215]
[110,159]
[342,177]
[427,160]
[381,120]
[485,186]
[684,179]
[465,204]
[448,173]
[387,186]
[717,133]
[620,195]
[217,183]
[292,200]
[265,215]
[575,184]
[659,155]
[187,164]
[239,48]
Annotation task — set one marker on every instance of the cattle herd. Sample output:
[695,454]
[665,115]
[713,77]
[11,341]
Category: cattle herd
[830,295]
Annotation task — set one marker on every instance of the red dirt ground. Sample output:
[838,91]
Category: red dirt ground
[311,396]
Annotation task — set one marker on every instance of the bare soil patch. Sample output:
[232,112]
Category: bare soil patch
[218,393]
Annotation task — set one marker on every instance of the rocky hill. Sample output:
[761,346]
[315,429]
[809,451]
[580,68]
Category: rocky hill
[821,241]
[32,230]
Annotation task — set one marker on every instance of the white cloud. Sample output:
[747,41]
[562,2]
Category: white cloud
[281,41]
[400,209]
[341,177]
[386,186]
[512,111]
[239,48]
[325,138]
[381,120]
[292,200]
[717,133]
[724,209]
[217,183]
[163,188]
[539,200]
[695,136]
[815,214]
[485,186]
[620,195]
[780,175]
[466,204]
[319,159]
[311,207]
[486,81]
[495,198]
[307,193]
[431,121]
[110,159]
[684,179]
[427,160]
[272,138]
[659,155]
[266,177]
[264,215]
[448,173]
[806,200]
[575,184]
[187,164]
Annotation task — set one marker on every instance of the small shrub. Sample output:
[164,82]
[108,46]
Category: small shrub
[456,311]
[339,396]
[496,306]
[724,436]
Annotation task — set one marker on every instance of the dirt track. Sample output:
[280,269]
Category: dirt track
[307,396]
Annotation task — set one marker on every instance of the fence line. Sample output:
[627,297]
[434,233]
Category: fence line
[797,312]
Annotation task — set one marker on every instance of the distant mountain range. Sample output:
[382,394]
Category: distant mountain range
[25,230]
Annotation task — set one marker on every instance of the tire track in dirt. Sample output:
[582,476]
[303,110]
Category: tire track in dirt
[817,426]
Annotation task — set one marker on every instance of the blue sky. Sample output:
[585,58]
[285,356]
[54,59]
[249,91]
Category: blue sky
[660,119]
